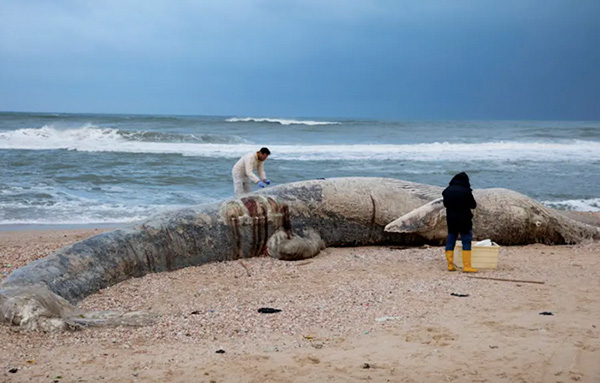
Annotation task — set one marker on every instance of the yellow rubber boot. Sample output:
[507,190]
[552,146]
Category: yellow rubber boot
[450,258]
[466,255]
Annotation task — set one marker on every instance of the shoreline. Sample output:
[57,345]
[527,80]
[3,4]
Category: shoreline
[24,227]
[21,247]
[589,217]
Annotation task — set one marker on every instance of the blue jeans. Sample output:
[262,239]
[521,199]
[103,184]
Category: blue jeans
[464,237]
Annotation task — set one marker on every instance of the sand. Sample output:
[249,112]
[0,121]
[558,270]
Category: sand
[380,314]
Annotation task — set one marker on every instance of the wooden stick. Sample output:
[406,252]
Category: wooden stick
[506,280]
[303,263]
[246,267]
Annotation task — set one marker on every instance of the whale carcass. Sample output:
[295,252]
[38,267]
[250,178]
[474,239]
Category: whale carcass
[508,217]
[317,213]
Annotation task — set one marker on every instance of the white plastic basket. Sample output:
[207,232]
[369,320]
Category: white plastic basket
[482,257]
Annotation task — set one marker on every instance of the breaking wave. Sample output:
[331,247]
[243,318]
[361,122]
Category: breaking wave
[592,204]
[92,138]
[281,121]
[95,139]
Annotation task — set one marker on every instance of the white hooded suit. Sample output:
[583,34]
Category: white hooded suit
[243,173]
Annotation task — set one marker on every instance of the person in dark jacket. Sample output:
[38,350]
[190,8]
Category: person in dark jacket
[458,200]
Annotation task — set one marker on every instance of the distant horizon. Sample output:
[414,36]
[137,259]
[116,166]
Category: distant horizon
[292,117]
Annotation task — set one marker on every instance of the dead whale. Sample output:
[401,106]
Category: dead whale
[333,212]
[507,217]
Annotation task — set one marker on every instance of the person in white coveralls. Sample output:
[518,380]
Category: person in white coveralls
[243,172]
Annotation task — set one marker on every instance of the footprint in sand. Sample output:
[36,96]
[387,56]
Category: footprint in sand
[438,336]
[307,360]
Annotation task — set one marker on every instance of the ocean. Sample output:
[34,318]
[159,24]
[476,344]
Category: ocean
[107,169]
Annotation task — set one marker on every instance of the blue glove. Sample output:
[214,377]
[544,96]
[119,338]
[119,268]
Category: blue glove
[261,184]
[268,182]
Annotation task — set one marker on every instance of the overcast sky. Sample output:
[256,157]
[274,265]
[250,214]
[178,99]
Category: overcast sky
[391,59]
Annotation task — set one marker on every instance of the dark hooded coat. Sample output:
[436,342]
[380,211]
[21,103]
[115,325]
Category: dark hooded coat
[458,200]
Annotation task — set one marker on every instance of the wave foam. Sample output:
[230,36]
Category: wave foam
[91,138]
[281,121]
[82,205]
[60,210]
[592,204]
[94,139]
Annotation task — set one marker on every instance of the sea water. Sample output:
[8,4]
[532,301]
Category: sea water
[91,169]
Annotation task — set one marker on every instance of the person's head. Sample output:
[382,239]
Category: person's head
[263,153]
[461,179]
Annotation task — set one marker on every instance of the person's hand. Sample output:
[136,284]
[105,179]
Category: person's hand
[261,184]
[267,181]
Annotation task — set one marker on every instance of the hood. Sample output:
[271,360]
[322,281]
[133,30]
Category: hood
[461,179]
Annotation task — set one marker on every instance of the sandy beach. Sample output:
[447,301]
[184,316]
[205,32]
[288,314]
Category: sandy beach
[381,314]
